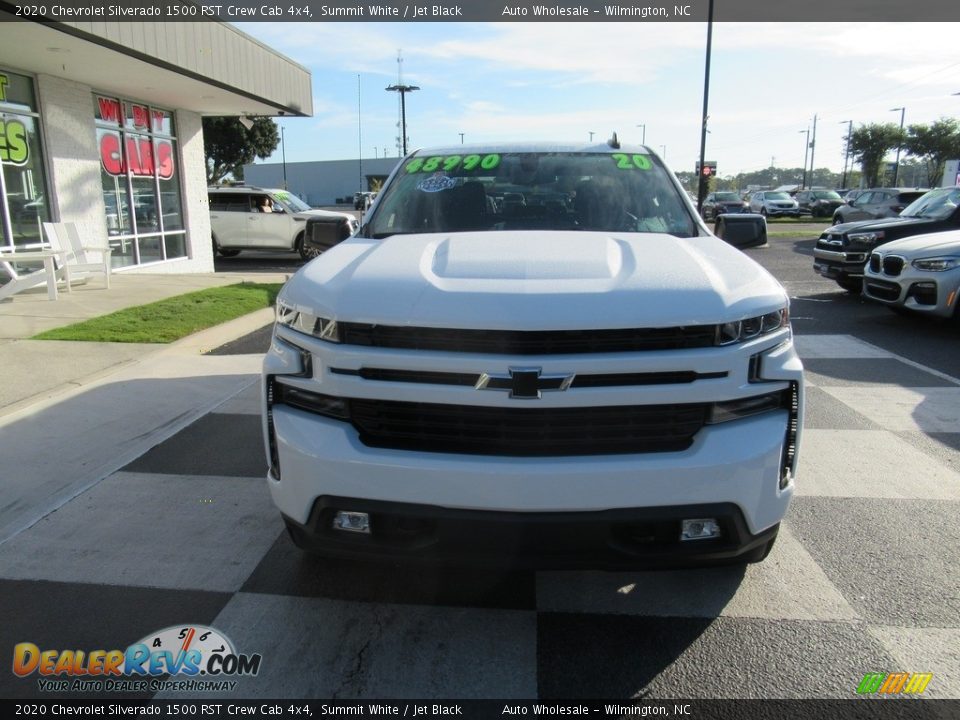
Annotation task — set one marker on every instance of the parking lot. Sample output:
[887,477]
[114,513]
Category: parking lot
[863,577]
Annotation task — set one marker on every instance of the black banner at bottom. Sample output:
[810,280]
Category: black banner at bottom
[855,709]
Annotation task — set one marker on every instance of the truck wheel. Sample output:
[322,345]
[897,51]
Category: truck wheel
[217,250]
[307,253]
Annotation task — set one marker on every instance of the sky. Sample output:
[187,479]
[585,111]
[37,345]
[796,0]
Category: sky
[528,81]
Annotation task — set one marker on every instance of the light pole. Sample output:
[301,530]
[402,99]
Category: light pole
[806,151]
[846,154]
[701,180]
[813,149]
[664,148]
[643,140]
[591,135]
[461,138]
[283,157]
[896,166]
[403,90]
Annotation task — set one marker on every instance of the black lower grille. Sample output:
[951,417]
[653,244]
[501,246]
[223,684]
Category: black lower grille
[892,265]
[527,432]
[882,290]
[924,293]
[519,342]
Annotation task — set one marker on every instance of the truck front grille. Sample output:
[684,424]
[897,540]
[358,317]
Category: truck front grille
[519,342]
[527,432]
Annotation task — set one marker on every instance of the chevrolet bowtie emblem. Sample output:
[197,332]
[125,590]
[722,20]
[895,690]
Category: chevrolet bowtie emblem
[524,383]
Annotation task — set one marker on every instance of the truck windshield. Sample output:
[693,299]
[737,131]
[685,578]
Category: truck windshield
[936,204]
[608,192]
[292,201]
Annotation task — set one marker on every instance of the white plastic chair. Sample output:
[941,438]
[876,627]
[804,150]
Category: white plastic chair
[79,258]
[18,281]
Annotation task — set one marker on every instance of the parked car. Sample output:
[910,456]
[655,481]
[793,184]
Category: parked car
[843,250]
[586,378]
[718,203]
[818,203]
[876,203]
[363,200]
[774,203]
[848,195]
[919,273]
[253,218]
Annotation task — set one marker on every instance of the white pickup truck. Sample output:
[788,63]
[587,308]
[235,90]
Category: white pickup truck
[533,355]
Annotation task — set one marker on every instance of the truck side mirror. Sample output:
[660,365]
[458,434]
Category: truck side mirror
[742,230]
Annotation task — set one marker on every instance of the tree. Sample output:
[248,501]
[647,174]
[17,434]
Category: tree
[229,145]
[869,144]
[934,145]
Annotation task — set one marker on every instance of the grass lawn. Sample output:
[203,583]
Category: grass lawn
[167,320]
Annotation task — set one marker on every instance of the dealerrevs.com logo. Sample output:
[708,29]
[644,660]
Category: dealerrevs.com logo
[194,657]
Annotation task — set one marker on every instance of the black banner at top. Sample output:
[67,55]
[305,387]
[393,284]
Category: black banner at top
[484,11]
[211,708]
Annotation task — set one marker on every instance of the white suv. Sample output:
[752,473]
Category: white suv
[533,355]
[252,218]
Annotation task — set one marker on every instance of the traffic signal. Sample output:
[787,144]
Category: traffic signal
[709,168]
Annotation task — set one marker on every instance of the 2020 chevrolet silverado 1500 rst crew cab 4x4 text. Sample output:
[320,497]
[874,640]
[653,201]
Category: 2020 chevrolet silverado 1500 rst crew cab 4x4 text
[533,355]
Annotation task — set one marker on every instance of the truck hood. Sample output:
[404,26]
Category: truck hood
[906,223]
[535,280]
[307,214]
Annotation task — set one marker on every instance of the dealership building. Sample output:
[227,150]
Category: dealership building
[100,125]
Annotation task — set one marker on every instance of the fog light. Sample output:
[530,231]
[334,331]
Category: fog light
[358,522]
[700,529]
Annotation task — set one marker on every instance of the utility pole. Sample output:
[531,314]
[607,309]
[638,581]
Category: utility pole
[461,138]
[813,148]
[283,156]
[643,140]
[806,151]
[403,90]
[896,167]
[846,155]
[701,184]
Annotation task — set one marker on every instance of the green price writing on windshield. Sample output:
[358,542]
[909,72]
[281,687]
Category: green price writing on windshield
[449,163]
[632,162]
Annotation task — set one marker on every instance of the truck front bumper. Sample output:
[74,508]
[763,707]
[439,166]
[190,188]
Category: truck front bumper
[607,539]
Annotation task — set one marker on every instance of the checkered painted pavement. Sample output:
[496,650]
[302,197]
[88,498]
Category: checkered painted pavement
[863,578]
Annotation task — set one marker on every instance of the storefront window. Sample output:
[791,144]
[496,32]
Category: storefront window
[23,205]
[141,182]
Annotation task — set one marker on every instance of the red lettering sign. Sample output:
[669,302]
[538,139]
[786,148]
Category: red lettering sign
[140,116]
[164,159]
[110,156]
[109,109]
[140,156]
[158,120]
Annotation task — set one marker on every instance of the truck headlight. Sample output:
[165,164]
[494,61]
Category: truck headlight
[307,323]
[936,264]
[743,330]
[867,238]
